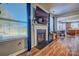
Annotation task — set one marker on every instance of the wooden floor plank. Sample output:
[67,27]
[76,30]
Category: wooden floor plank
[56,48]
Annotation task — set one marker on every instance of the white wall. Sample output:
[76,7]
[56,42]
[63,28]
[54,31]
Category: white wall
[9,47]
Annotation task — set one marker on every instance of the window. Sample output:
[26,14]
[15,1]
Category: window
[61,26]
[75,25]
[14,28]
[51,24]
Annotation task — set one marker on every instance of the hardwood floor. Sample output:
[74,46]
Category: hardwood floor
[62,47]
[54,49]
[26,53]
[68,46]
[34,51]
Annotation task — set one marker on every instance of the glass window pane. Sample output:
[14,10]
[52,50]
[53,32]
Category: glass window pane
[61,26]
[74,25]
[10,30]
[13,21]
[51,24]
[13,27]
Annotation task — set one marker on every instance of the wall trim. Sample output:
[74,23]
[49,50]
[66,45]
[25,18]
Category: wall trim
[18,52]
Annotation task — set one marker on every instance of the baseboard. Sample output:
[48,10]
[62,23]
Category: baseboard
[18,52]
[33,46]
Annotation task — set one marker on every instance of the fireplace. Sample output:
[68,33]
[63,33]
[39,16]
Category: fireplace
[41,35]
[40,28]
[41,38]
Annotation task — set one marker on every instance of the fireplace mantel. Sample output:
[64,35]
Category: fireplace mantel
[43,27]
[34,32]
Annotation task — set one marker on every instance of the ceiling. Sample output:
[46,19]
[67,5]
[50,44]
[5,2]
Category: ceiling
[61,9]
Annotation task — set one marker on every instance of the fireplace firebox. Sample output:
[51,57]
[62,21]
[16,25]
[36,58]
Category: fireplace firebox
[41,38]
[41,35]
